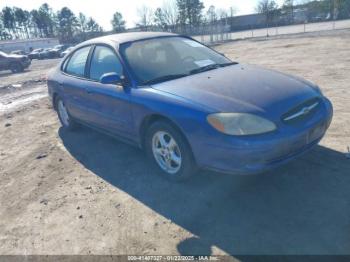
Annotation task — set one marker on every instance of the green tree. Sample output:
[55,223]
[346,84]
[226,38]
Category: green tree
[118,23]
[343,9]
[68,24]
[36,21]
[82,20]
[316,9]
[288,10]
[93,26]
[47,20]
[3,34]
[159,19]
[21,17]
[190,12]
[9,21]
[269,9]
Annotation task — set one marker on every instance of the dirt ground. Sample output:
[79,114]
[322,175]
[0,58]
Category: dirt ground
[86,193]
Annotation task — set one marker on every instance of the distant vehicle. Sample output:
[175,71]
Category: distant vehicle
[187,105]
[58,49]
[35,53]
[15,63]
[18,52]
[67,51]
[47,53]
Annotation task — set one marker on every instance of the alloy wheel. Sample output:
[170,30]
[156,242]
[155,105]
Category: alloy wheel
[166,152]
[62,111]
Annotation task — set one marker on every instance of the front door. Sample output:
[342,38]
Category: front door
[109,103]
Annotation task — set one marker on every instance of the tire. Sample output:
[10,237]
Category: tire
[66,120]
[181,165]
[16,68]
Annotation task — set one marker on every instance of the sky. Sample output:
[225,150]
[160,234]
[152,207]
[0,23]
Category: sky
[102,10]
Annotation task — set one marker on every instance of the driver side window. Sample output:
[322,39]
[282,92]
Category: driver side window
[103,61]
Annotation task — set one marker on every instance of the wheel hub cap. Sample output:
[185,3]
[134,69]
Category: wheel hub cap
[63,113]
[166,152]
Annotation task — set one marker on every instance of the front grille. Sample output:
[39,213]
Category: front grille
[302,112]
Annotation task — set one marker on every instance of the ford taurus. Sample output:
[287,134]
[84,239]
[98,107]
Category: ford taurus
[186,105]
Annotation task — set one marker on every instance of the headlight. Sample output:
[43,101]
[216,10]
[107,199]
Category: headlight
[240,124]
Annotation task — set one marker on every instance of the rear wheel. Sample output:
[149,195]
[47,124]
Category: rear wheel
[66,120]
[169,151]
[16,68]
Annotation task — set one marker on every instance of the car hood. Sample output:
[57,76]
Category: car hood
[242,88]
[16,56]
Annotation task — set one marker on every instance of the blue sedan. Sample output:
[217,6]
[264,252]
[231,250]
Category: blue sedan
[186,105]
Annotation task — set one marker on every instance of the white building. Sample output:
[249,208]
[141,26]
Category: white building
[27,44]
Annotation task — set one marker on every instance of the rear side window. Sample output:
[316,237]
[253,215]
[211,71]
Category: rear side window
[77,62]
[103,61]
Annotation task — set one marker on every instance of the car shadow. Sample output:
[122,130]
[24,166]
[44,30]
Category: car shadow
[300,208]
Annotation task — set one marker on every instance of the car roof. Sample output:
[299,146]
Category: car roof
[121,38]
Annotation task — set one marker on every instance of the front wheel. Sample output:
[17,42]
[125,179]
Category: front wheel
[170,152]
[66,120]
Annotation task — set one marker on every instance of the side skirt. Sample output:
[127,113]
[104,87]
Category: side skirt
[108,133]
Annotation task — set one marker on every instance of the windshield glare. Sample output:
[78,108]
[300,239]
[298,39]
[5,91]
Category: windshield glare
[155,58]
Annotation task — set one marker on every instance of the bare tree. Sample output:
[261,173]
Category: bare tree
[145,14]
[232,12]
[170,12]
[222,14]
[82,20]
[288,9]
[211,15]
[158,18]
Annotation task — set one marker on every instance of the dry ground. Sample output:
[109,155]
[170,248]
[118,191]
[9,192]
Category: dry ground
[85,193]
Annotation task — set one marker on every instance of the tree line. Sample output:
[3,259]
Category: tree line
[16,23]
[179,15]
[173,15]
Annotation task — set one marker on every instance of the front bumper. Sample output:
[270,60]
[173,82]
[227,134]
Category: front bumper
[257,154]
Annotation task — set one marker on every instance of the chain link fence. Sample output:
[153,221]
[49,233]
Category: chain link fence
[222,34]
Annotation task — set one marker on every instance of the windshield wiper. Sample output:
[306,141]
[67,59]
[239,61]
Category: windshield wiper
[228,64]
[163,79]
[210,67]
[204,68]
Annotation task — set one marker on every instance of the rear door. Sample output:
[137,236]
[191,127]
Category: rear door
[74,84]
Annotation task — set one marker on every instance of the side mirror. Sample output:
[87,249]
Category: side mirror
[112,78]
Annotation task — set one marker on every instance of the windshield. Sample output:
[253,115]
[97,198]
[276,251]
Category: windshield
[161,59]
